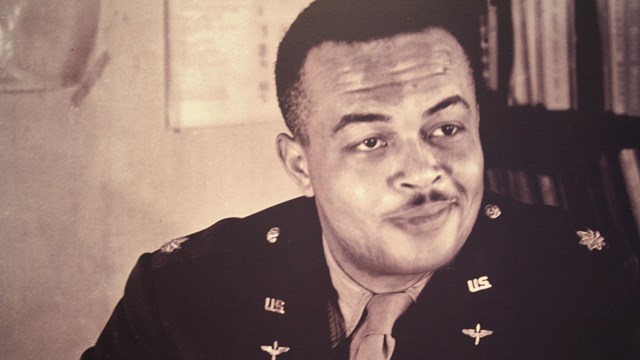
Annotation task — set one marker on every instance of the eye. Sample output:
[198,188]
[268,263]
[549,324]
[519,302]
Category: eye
[371,144]
[446,130]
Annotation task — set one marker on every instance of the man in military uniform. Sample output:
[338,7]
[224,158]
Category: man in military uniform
[395,250]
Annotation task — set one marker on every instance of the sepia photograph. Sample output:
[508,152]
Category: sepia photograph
[319,179]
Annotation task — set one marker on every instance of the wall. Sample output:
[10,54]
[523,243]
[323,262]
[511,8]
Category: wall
[85,189]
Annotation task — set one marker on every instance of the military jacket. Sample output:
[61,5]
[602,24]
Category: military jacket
[529,283]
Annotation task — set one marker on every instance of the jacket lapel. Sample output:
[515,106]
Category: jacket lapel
[458,297]
[295,273]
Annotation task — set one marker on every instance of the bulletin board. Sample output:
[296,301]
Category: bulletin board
[220,58]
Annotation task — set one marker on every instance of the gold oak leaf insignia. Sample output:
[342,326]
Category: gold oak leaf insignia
[173,245]
[591,239]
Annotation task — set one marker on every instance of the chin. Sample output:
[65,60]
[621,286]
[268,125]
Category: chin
[413,265]
[431,256]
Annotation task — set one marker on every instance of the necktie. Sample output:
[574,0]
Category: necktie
[373,340]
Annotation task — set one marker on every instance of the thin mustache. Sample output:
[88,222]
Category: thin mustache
[432,196]
[421,199]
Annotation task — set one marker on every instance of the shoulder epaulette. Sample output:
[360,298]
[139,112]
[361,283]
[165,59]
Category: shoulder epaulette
[217,236]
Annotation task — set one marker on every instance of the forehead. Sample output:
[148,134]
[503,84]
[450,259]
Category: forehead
[389,63]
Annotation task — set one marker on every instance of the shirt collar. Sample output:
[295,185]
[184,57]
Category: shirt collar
[353,297]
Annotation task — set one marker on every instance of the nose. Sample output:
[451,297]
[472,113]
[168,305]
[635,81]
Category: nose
[417,169]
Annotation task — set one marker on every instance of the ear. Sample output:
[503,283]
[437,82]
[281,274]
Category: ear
[294,158]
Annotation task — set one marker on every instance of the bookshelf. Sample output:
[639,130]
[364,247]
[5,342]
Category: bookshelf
[583,153]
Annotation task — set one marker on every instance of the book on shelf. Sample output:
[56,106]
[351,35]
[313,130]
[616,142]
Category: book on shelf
[612,22]
[616,42]
[489,36]
[495,181]
[544,63]
[573,54]
[632,54]
[558,39]
[548,191]
[630,166]
[530,10]
[519,81]
[619,25]
[607,202]
[602,9]
[521,187]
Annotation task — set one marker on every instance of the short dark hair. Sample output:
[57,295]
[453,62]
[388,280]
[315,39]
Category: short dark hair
[351,21]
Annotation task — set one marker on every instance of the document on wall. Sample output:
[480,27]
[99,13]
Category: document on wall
[220,58]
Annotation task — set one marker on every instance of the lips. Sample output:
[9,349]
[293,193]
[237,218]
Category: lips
[423,218]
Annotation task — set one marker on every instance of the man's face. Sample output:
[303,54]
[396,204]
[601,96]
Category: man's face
[394,156]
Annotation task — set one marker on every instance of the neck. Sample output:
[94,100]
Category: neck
[380,283]
[375,282]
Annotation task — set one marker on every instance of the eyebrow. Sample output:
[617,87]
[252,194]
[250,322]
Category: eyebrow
[368,118]
[359,118]
[452,100]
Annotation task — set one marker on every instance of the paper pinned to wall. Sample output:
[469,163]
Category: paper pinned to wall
[220,60]
[45,45]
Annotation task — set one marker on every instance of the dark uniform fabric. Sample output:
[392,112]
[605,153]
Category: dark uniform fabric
[538,294]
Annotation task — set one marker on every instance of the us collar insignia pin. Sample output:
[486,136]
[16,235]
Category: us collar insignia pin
[274,350]
[274,305]
[478,284]
[173,245]
[477,333]
[591,239]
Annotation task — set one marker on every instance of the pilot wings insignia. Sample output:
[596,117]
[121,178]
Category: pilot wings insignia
[274,350]
[477,333]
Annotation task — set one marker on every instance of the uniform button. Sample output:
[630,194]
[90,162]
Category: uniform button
[272,235]
[492,211]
